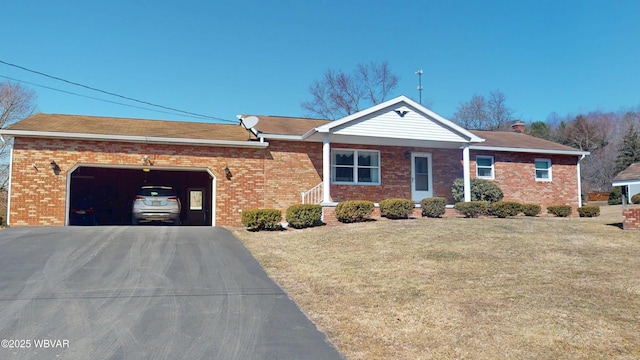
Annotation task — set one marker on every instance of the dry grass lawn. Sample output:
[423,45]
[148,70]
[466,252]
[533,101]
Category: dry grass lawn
[520,288]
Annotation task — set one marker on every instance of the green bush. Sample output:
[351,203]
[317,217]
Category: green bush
[471,209]
[559,210]
[304,215]
[397,208]
[635,199]
[354,211]
[481,190]
[531,209]
[262,219]
[615,196]
[502,209]
[589,211]
[433,207]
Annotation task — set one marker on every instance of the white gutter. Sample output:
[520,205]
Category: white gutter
[134,139]
[528,150]
[280,137]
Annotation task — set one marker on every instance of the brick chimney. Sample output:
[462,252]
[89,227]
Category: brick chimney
[518,127]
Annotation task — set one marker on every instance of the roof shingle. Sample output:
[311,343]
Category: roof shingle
[630,173]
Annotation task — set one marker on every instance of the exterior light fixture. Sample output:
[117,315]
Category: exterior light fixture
[407,155]
[227,173]
[54,167]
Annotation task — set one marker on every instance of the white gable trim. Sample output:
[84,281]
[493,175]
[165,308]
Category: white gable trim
[336,125]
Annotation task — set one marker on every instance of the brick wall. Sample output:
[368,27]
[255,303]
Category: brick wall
[272,177]
[515,174]
[261,178]
[631,217]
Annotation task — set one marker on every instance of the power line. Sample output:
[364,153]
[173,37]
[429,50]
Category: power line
[104,100]
[113,94]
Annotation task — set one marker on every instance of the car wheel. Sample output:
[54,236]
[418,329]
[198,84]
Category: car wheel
[176,222]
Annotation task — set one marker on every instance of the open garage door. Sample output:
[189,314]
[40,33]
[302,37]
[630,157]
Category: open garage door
[104,195]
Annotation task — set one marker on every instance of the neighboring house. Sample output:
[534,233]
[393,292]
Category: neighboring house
[394,149]
[629,179]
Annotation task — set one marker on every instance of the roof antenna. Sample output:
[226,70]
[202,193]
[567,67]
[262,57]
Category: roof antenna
[419,73]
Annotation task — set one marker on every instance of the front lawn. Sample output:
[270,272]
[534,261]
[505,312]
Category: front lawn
[539,288]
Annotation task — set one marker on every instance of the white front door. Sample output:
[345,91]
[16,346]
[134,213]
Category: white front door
[421,176]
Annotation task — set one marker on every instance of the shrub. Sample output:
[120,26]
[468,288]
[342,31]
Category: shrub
[589,211]
[433,207]
[262,219]
[354,211]
[397,208]
[471,209]
[559,210]
[502,209]
[481,190]
[615,196]
[304,215]
[531,209]
[635,199]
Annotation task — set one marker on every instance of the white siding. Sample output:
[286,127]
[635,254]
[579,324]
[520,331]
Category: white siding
[633,189]
[388,124]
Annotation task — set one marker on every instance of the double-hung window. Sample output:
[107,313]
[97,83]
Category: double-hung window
[543,169]
[355,167]
[484,167]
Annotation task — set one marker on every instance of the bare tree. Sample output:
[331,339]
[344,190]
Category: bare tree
[482,113]
[16,102]
[339,94]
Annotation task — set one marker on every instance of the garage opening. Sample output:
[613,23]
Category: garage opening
[99,195]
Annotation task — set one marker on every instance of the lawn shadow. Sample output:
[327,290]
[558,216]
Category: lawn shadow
[618,225]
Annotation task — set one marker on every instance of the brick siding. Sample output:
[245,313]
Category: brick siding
[272,177]
[631,217]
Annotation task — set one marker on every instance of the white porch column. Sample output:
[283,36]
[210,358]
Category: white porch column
[326,170]
[466,173]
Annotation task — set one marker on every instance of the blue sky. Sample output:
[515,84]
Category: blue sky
[259,57]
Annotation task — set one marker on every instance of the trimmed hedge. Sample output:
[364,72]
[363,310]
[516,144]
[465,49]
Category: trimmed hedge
[589,211]
[397,208]
[304,215]
[559,210]
[433,207]
[502,209]
[481,190]
[615,196]
[471,209]
[635,199]
[262,219]
[354,211]
[531,209]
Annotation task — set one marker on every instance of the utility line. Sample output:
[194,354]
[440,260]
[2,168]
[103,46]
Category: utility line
[107,101]
[113,94]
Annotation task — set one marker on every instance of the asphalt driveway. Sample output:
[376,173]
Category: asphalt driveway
[148,292]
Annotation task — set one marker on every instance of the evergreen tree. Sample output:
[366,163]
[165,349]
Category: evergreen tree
[629,151]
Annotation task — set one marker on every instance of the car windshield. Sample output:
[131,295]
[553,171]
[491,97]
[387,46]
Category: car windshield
[157,192]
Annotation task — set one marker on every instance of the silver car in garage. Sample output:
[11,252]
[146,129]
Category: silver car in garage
[156,203]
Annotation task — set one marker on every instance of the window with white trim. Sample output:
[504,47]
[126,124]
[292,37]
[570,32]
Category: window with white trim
[484,167]
[355,167]
[543,169]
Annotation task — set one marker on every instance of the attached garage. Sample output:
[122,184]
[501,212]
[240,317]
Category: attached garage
[81,170]
[103,194]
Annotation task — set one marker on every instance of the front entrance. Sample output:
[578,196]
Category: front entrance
[421,179]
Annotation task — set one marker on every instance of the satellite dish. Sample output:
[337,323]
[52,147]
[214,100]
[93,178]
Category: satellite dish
[250,122]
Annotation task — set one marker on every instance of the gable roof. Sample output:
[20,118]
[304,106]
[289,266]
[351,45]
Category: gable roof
[512,141]
[130,130]
[383,120]
[630,175]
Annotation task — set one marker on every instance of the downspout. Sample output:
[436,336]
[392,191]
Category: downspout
[466,173]
[9,187]
[580,181]
[326,170]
